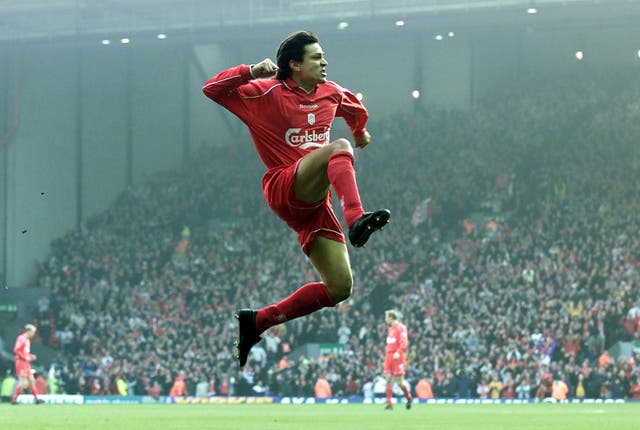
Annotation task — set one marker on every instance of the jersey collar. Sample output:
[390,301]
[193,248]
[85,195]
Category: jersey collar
[293,85]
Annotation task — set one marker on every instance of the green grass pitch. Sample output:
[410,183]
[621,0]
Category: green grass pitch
[320,417]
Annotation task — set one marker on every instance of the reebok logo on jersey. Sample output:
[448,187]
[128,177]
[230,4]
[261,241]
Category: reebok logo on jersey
[307,138]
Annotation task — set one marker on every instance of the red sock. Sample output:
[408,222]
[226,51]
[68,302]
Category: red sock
[303,301]
[343,178]
[389,392]
[407,394]
[34,392]
[16,393]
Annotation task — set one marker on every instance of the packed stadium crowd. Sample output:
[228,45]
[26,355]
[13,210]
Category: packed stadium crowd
[513,256]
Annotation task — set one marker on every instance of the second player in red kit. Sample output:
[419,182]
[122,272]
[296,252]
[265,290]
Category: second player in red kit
[395,361]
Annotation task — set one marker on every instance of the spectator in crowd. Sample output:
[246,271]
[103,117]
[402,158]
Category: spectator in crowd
[634,389]
[179,387]
[483,390]
[7,387]
[424,390]
[580,391]
[495,386]
[322,388]
[41,383]
[122,388]
[523,386]
[559,388]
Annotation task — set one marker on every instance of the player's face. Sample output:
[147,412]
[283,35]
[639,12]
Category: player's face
[313,69]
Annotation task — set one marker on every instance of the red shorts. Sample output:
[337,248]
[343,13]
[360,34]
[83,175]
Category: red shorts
[306,219]
[23,369]
[395,367]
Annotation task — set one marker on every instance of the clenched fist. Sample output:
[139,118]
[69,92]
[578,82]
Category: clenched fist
[363,140]
[264,69]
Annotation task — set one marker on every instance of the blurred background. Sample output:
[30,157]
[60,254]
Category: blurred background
[505,143]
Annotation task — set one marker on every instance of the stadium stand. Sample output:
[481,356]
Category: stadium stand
[520,270]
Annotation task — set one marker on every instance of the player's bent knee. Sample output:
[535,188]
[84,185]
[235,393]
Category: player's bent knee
[340,291]
[342,144]
[342,295]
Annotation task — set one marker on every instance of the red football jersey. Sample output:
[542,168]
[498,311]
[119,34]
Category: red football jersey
[397,339]
[285,121]
[22,348]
